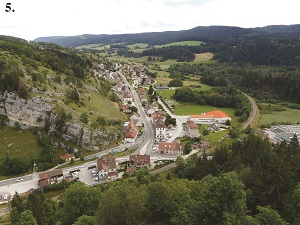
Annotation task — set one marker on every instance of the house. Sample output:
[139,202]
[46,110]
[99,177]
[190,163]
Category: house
[193,129]
[160,132]
[135,80]
[126,108]
[67,157]
[138,161]
[158,115]
[210,117]
[143,98]
[131,136]
[213,127]
[107,167]
[127,98]
[130,170]
[130,131]
[50,177]
[141,91]
[150,109]
[174,148]
[159,119]
[134,117]
[119,86]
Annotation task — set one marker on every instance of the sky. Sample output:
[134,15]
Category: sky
[29,19]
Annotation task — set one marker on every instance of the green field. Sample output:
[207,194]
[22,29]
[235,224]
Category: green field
[24,143]
[214,138]
[181,43]
[166,93]
[287,116]
[188,109]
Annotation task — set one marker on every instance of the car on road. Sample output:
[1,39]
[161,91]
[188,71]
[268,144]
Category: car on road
[5,197]
[19,179]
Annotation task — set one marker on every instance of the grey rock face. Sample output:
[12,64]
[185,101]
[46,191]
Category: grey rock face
[34,111]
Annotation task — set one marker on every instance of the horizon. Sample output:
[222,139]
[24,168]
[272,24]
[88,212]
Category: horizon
[58,36]
[32,19]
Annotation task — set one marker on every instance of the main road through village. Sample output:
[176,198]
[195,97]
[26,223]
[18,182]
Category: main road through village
[144,145]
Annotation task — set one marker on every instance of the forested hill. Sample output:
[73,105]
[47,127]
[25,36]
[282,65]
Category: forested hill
[201,33]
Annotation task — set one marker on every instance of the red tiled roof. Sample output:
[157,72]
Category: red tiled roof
[131,133]
[67,156]
[106,163]
[192,125]
[140,159]
[175,145]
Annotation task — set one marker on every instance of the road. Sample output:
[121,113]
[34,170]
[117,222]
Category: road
[253,113]
[148,134]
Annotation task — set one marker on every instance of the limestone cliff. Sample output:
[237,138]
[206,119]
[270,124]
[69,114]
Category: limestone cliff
[33,112]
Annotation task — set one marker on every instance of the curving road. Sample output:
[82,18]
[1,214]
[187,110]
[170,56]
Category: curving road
[253,113]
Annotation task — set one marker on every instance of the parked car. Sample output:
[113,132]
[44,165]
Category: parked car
[96,179]
[19,179]
[5,197]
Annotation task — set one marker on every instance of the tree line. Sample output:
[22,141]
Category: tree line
[179,53]
[264,82]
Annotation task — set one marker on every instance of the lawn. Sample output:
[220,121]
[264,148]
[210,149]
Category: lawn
[288,116]
[181,43]
[24,143]
[166,93]
[214,138]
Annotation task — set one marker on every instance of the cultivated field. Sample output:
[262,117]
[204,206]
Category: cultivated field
[203,57]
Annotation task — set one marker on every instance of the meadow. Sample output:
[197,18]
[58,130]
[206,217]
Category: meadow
[286,116]
[22,143]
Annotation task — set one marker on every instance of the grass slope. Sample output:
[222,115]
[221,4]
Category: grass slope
[24,143]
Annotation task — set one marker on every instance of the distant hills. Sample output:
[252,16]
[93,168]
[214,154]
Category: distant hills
[201,33]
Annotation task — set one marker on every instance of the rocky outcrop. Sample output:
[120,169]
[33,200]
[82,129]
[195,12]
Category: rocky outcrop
[33,113]
[27,112]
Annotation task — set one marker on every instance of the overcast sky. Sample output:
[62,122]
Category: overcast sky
[39,18]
